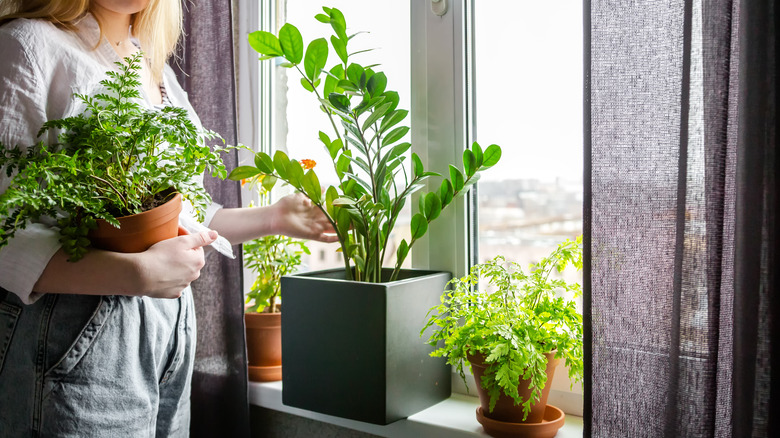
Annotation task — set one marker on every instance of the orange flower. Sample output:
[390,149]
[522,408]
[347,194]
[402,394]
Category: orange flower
[308,164]
[244,181]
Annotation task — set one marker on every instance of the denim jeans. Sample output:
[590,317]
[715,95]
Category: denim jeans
[89,366]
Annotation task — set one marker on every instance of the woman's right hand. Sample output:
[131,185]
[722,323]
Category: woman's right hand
[168,267]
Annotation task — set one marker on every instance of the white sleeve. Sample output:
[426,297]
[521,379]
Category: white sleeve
[22,112]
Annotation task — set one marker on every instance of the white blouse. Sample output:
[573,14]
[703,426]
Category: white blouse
[41,67]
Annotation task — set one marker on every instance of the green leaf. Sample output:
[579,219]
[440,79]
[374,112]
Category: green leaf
[268,183]
[295,174]
[392,96]
[339,101]
[363,80]
[469,163]
[403,250]
[491,156]
[243,172]
[368,103]
[264,162]
[343,202]
[456,178]
[418,165]
[322,18]
[347,85]
[343,221]
[395,135]
[311,186]
[291,42]
[335,147]
[334,75]
[330,195]
[338,23]
[265,43]
[376,85]
[419,226]
[433,206]
[392,118]
[280,164]
[307,85]
[446,192]
[376,115]
[340,47]
[342,165]
[355,72]
[477,153]
[316,57]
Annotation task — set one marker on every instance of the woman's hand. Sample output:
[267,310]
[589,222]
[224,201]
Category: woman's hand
[162,271]
[168,267]
[296,216]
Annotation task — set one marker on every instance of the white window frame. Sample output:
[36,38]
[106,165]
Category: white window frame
[440,125]
[255,83]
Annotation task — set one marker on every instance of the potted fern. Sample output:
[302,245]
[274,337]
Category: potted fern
[365,313]
[268,258]
[113,164]
[513,328]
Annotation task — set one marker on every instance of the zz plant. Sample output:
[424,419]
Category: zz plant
[114,159]
[367,149]
[513,319]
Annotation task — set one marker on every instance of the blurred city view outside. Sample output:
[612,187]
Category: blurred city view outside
[528,82]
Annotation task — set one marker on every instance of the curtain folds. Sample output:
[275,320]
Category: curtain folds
[205,69]
[681,300]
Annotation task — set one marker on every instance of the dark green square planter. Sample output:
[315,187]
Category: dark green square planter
[354,350]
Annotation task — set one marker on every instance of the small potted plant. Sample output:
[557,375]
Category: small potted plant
[268,258]
[116,163]
[365,341]
[513,328]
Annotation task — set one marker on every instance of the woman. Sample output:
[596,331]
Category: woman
[103,346]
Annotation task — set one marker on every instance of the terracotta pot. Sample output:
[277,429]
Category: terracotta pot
[505,409]
[264,346]
[139,231]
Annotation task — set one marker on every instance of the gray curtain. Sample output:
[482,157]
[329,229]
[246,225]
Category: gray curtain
[219,383]
[680,291]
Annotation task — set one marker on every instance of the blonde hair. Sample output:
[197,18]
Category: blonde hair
[157,27]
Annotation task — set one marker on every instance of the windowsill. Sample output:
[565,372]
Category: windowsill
[452,418]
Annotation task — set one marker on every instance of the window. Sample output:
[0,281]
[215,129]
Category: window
[501,72]
[516,82]
[528,99]
[528,81]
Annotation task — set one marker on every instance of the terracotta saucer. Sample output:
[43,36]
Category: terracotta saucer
[265,374]
[548,428]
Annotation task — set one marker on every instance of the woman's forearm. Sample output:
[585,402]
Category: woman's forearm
[162,271]
[239,225]
[98,273]
[293,215]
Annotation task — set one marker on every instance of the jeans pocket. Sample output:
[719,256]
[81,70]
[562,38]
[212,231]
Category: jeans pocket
[75,324]
[9,315]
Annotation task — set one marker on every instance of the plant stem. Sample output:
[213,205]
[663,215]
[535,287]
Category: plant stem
[111,186]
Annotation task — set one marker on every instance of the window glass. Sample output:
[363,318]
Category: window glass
[528,99]
[385,33]
[528,79]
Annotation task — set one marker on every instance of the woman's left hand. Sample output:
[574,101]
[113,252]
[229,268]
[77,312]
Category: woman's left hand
[296,216]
